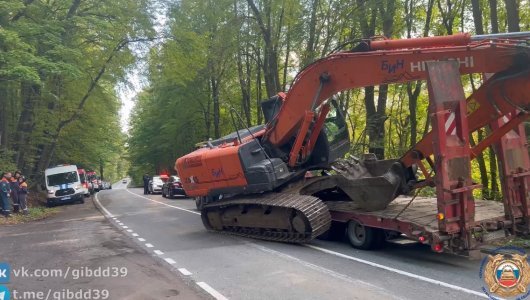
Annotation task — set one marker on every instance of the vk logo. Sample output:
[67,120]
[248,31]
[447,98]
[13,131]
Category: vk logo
[5,272]
[4,293]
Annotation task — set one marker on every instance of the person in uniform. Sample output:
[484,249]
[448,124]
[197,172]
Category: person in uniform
[5,191]
[146,183]
[22,194]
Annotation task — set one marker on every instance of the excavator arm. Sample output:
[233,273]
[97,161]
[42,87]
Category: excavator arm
[348,70]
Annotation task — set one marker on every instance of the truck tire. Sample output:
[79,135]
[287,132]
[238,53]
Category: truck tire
[364,237]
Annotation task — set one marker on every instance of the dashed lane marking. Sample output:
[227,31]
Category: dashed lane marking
[149,245]
[184,272]
[141,239]
[211,291]
[170,261]
[158,252]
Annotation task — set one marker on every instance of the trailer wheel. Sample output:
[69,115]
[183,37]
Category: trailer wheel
[364,237]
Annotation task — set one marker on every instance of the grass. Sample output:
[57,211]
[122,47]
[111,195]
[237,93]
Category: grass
[513,241]
[35,213]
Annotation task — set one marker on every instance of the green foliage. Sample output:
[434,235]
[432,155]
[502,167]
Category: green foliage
[60,62]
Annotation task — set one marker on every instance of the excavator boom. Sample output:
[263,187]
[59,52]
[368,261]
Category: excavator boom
[349,70]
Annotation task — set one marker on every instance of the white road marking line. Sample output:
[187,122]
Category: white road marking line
[115,218]
[141,239]
[211,291]
[149,245]
[135,234]
[120,223]
[179,208]
[158,252]
[125,227]
[170,261]
[103,208]
[129,230]
[321,269]
[401,272]
[184,272]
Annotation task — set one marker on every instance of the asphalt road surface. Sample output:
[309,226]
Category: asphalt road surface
[229,267]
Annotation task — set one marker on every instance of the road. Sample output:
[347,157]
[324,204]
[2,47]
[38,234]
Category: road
[230,267]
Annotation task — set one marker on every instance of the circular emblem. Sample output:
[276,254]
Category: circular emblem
[507,275]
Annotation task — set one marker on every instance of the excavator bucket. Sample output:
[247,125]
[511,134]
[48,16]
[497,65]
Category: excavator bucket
[369,184]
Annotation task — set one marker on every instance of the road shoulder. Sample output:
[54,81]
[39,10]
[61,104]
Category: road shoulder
[79,239]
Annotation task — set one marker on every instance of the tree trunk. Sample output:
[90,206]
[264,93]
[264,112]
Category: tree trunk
[309,55]
[30,95]
[216,107]
[243,80]
[259,95]
[512,15]
[493,16]
[270,55]
[477,16]
[286,61]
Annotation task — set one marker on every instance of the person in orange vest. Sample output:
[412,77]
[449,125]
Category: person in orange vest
[14,191]
[22,194]
[5,190]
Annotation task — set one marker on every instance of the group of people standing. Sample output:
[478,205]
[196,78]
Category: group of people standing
[13,187]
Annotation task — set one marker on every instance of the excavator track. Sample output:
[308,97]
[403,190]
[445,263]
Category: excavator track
[278,217]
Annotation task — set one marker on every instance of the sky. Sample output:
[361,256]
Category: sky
[136,80]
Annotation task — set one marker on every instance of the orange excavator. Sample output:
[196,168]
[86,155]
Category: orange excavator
[252,182]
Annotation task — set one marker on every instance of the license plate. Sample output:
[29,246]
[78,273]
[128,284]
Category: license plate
[66,198]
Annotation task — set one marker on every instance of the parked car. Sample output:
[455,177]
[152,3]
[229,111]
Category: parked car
[63,185]
[84,181]
[124,180]
[106,185]
[156,183]
[173,187]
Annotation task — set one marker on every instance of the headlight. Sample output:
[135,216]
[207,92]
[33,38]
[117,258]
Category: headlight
[51,192]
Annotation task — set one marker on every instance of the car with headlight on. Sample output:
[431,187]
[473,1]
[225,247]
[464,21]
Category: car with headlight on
[173,187]
[156,183]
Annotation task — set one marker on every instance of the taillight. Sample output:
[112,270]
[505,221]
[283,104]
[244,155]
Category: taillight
[438,247]
[422,239]
[177,184]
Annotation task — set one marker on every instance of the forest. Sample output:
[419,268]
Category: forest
[232,54]
[60,65]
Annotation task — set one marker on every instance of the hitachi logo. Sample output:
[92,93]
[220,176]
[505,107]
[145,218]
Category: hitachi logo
[421,66]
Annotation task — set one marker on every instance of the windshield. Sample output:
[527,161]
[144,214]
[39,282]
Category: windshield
[157,179]
[62,178]
[82,177]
